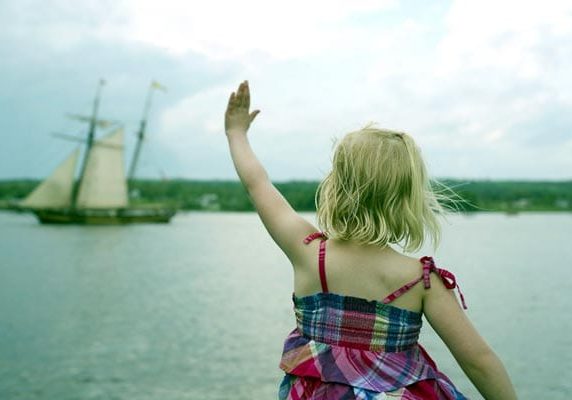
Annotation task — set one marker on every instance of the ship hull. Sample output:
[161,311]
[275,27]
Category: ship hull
[120,216]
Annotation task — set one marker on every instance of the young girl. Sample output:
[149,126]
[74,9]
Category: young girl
[359,303]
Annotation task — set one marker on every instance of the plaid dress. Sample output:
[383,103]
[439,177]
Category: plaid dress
[350,348]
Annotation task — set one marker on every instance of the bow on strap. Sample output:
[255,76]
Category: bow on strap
[447,277]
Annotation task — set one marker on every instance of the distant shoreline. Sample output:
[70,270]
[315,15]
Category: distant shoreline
[510,197]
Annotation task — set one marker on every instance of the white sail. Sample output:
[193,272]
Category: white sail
[56,190]
[103,184]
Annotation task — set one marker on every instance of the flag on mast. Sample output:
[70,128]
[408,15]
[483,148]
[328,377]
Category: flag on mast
[157,85]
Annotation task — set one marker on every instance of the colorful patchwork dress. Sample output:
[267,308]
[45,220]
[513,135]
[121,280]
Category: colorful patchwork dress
[350,348]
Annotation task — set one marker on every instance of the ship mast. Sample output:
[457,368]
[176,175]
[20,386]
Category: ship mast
[142,127]
[90,138]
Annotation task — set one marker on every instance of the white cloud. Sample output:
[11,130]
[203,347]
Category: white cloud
[501,34]
[462,81]
[227,29]
[463,92]
[197,113]
[60,24]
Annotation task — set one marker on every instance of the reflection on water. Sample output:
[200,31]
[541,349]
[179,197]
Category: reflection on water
[199,308]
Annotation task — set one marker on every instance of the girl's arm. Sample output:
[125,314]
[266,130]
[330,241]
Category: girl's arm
[473,354]
[284,225]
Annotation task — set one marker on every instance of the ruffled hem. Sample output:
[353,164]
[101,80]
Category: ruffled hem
[303,388]
[354,369]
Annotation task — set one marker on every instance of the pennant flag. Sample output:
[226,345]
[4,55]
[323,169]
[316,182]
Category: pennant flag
[157,85]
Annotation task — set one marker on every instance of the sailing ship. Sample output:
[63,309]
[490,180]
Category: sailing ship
[99,196]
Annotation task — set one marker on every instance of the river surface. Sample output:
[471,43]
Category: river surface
[199,308]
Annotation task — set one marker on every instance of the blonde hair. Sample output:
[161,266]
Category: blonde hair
[378,192]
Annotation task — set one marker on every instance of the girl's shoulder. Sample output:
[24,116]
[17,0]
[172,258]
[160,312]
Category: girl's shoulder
[399,269]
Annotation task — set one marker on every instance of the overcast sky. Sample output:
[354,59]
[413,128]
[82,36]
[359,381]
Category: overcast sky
[485,87]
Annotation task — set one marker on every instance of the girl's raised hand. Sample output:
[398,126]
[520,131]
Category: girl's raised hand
[237,117]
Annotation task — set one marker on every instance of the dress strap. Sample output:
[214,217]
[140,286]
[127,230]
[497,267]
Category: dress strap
[313,236]
[429,266]
[321,257]
[394,295]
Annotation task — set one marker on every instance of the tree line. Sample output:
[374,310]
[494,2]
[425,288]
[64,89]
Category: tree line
[462,195]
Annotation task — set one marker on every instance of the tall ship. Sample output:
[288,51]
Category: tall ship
[100,193]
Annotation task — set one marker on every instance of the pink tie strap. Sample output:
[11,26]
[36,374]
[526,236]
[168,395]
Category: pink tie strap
[394,295]
[428,266]
[321,257]
[447,277]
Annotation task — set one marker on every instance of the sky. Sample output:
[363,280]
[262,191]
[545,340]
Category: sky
[483,86]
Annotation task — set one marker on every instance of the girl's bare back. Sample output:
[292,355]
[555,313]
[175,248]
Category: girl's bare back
[366,271]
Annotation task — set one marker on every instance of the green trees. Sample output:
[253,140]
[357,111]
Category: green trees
[504,196]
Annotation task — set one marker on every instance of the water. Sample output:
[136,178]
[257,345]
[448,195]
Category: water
[198,309]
